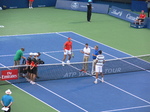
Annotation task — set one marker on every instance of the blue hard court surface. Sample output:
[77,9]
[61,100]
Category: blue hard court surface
[126,92]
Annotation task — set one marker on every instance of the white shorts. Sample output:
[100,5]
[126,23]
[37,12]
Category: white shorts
[98,69]
[67,52]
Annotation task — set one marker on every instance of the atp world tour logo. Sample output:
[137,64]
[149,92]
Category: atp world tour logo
[74,5]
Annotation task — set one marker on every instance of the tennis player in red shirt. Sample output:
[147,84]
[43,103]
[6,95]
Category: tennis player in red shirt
[67,51]
[141,18]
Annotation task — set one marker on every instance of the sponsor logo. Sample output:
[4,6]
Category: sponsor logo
[9,74]
[74,5]
[41,5]
[83,6]
[75,74]
[115,12]
[113,70]
[130,17]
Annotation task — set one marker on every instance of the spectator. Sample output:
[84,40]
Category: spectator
[141,18]
[18,56]
[7,100]
[86,51]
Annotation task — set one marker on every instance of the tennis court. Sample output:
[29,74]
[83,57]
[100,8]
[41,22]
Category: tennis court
[121,92]
[127,92]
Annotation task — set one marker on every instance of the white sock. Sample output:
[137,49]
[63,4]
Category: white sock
[102,79]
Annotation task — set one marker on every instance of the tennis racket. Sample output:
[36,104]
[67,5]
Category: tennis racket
[72,55]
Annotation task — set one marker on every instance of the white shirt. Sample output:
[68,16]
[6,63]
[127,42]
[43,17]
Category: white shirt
[100,59]
[86,50]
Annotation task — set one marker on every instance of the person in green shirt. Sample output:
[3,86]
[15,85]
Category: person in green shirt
[18,56]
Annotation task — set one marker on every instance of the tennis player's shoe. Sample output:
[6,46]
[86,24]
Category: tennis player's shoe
[32,82]
[102,79]
[84,71]
[95,81]
[81,70]
[68,62]
[63,63]
[30,7]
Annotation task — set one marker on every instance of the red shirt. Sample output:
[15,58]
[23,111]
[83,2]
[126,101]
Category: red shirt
[68,45]
[31,0]
[142,16]
[33,64]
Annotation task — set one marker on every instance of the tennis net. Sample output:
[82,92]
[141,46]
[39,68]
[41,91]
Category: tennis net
[57,71]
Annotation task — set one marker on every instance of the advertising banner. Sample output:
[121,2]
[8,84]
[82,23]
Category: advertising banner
[9,74]
[81,6]
[123,14]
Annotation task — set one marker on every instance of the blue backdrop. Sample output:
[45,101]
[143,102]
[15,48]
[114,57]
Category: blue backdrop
[24,3]
[81,6]
[138,6]
[135,5]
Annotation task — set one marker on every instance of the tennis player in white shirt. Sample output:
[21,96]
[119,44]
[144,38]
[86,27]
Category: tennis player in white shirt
[99,66]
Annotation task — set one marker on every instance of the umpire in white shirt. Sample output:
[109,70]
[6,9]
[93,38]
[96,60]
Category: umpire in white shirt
[86,51]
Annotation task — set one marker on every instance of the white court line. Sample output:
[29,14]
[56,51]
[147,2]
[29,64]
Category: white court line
[31,34]
[40,52]
[61,97]
[115,110]
[101,43]
[4,66]
[29,93]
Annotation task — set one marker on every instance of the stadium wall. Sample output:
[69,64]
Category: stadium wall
[81,6]
[138,6]
[123,14]
[24,3]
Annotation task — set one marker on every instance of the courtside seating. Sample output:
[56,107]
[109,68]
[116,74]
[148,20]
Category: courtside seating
[143,24]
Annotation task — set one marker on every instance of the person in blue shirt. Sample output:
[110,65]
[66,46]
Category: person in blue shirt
[7,100]
[96,49]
